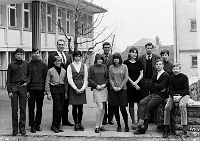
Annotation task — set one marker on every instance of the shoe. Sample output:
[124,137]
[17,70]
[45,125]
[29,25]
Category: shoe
[139,131]
[104,122]
[184,134]
[165,134]
[96,130]
[54,129]
[119,129]
[140,124]
[38,128]
[23,132]
[60,129]
[33,129]
[110,122]
[68,123]
[126,129]
[15,132]
[81,128]
[102,129]
[134,127]
[76,127]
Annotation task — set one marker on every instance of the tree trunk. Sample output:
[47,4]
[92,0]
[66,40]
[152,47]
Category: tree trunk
[76,36]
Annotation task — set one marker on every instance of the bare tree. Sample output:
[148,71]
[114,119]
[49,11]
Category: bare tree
[77,12]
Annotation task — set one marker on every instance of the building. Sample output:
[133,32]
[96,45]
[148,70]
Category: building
[26,25]
[187,36]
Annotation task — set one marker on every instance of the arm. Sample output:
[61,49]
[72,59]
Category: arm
[106,75]
[164,82]
[185,86]
[69,77]
[66,85]
[90,79]
[140,77]
[45,70]
[111,77]
[50,62]
[85,83]
[125,77]
[171,87]
[9,75]
[29,74]
[48,82]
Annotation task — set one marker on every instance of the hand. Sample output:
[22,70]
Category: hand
[119,88]
[133,84]
[177,98]
[28,95]
[77,90]
[103,86]
[163,90]
[81,90]
[66,96]
[98,87]
[137,87]
[115,89]
[10,95]
[49,96]
[25,84]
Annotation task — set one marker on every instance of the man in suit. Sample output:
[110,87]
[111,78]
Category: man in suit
[107,61]
[158,89]
[66,60]
[148,63]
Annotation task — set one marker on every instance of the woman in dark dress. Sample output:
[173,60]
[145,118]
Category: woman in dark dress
[118,76]
[77,74]
[133,85]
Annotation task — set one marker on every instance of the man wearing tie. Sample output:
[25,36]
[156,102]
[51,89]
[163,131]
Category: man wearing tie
[66,60]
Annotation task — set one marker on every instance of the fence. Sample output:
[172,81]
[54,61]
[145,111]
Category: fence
[3,78]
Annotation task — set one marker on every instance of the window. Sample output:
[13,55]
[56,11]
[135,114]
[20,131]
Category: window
[12,15]
[194,61]
[68,22]
[60,18]
[193,25]
[26,15]
[82,28]
[49,18]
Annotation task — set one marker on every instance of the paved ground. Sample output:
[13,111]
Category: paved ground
[69,134]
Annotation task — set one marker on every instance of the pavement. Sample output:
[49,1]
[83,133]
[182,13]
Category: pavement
[88,122]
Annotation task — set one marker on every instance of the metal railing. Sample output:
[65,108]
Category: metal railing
[3,78]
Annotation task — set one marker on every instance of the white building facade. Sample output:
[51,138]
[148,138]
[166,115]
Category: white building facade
[187,36]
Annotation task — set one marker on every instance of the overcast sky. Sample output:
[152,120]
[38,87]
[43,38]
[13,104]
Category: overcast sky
[137,19]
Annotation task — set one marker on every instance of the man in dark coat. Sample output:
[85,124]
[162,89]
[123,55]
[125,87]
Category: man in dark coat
[66,60]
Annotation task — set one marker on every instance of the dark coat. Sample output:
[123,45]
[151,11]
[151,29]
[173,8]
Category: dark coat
[50,60]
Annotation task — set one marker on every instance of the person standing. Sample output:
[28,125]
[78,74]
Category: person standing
[158,88]
[148,63]
[108,116]
[56,86]
[66,60]
[179,92]
[17,78]
[167,65]
[135,72]
[118,76]
[98,79]
[37,71]
[77,74]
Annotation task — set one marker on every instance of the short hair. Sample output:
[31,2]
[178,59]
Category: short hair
[149,44]
[61,40]
[56,58]
[163,52]
[176,65]
[35,49]
[132,50]
[19,50]
[118,56]
[106,43]
[76,53]
[97,57]
[158,60]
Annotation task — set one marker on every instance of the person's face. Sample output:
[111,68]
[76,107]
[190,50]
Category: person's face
[106,49]
[36,54]
[165,57]
[19,56]
[149,50]
[99,61]
[58,63]
[176,70]
[133,54]
[77,58]
[116,61]
[159,65]
[60,46]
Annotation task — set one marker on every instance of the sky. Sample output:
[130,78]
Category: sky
[132,20]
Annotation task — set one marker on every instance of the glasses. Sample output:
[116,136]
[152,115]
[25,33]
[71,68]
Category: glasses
[77,56]
[60,44]
[58,61]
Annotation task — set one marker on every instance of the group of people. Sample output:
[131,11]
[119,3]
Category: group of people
[140,82]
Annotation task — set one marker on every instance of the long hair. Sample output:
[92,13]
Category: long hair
[118,56]
[97,57]
[131,51]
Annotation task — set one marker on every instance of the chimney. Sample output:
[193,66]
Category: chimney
[157,42]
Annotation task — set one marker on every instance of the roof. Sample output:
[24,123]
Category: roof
[143,41]
[88,6]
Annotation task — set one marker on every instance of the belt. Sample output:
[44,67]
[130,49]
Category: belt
[20,82]
[59,85]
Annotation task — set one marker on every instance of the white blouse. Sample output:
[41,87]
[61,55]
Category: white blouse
[77,66]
